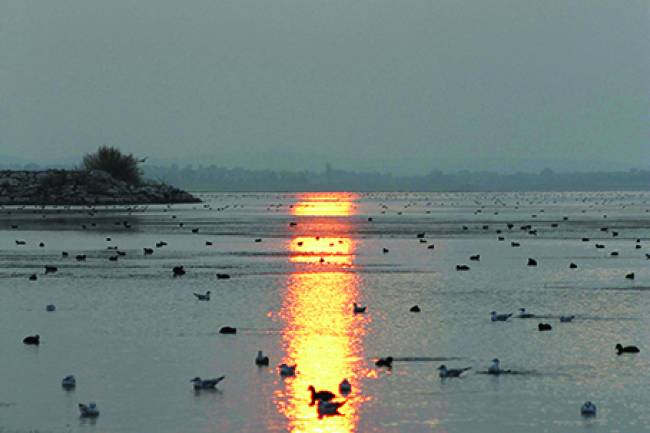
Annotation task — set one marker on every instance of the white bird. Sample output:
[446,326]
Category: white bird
[345,387]
[567,319]
[588,409]
[88,411]
[451,372]
[201,297]
[524,314]
[329,407]
[495,368]
[206,383]
[359,309]
[287,370]
[499,317]
[69,382]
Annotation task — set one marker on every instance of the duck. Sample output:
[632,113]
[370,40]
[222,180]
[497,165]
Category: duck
[69,382]
[515,244]
[323,395]
[148,251]
[32,339]
[451,372]
[33,277]
[261,359]
[567,319]
[499,317]
[329,407]
[358,309]
[532,262]
[228,330]
[629,276]
[80,257]
[415,309]
[385,362]
[462,268]
[89,411]
[50,269]
[287,370]
[345,387]
[201,297]
[178,271]
[475,257]
[206,383]
[524,314]
[588,409]
[223,276]
[573,266]
[385,250]
[544,327]
[626,349]
[50,307]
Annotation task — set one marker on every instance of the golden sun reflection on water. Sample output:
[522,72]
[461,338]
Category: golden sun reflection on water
[325,204]
[321,335]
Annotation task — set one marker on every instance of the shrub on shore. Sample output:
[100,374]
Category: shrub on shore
[114,162]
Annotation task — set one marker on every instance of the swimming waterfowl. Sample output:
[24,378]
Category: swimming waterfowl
[475,257]
[572,265]
[223,276]
[495,368]
[323,395]
[50,307]
[19,242]
[385,250]
[287,370]
[32,339]
[201,297]
[462,268]
[515,244]
[630,276]
[178,271]
[544,327]
[329,407]
[415,309]
[69,382]
[228,330]
[206,383]
[261,359]
[89,411]
[208,243]
[451,372]
[33,277]
[588,409]
[567,319]
[524,314]
[148,251]
[345,387]
[358,309]
[499,317]
[80,257]
[532,262]
[626,349]
[113,258]
[50,269]
[385,362]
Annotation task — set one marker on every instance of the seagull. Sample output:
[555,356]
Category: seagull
[207,383]
[69,382]
[201,297]
[495,368]
[451,372]
[499,317]
[329,407]
[588,409]
[345,387]
[358,309]
[323,395]
[567,319]
[261,360]
[287,370]
[89,411]
[523,314]
[627,349]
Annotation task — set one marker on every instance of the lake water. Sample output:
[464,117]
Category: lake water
[134,336]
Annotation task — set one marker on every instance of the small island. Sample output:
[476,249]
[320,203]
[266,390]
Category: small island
[106,177]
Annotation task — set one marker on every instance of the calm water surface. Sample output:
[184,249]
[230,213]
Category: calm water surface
[134,336]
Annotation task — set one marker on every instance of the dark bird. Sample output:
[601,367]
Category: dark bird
[415,309]
[385,362]
[223,276]
[32,339]
[33,277]
[515,244]
[50,269]
[573,266]
[323,395]
[462,268]
[544,327]
[630,276]
[358,309]
[64,254]
[178,271]
[80,257]
[227,330]
[19,242]
[475,257]
[261,360]
[148,251]
[385,250]
[195,230]
[201,297]
[532,262]
[626,349]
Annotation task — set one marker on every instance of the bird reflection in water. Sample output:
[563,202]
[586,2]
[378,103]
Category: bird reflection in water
[321,335]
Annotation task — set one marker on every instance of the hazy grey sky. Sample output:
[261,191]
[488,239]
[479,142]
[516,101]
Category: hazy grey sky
[402,86]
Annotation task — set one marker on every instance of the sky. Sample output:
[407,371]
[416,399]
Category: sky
[371,85]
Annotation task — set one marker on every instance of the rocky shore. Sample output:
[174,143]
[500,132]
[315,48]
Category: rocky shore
[79,187]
